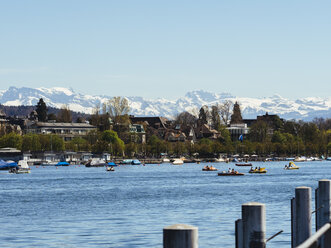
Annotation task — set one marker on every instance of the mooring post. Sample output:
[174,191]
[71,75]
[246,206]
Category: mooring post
[323,209]
[301,219]
[239,233]
[180,236]
[253,225]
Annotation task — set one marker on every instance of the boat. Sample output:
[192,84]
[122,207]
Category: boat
[300,159]
[207,168]
[135,162]
[96,162]
[177,161]
[223,173]
[130,161]
[110,168]
[165,160]
[8,165]
[244,164]
[111,164]
[62,163]
[291,166]
[258,171]
[22,168]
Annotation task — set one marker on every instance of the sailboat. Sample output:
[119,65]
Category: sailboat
[22,168]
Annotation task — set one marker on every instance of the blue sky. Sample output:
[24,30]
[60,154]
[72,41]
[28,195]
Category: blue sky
[167,48]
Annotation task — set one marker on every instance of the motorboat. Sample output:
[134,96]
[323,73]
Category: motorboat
[22,168]
[7,165]
[236,173]
[291,166]
[177,161]
[209,168]
[96,162]
[130,161]
[110,168]
[300,159]
[111,164]
[258,171]
[244,164]
[62,163]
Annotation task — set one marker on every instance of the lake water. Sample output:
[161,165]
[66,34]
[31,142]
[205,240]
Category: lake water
[89,207]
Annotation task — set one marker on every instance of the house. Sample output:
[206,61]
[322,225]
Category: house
[137,133]
[205,131]
[67,131]
[236,130]
[9,153]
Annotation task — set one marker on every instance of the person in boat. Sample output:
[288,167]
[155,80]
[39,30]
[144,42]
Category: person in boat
[259,168]
[212,167]
[233,172]
[229,171]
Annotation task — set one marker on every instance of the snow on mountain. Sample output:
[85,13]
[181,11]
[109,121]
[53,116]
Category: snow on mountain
[305,108]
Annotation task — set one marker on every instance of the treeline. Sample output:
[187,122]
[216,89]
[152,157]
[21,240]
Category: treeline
[52,112]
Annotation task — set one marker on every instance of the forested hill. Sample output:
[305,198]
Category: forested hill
[26,110]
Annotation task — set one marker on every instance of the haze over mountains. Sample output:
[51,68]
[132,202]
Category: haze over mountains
[304,109]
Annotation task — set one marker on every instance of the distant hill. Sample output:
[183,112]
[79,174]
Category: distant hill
[305,108]
[23,111]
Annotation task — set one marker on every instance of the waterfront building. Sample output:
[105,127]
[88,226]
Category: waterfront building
[67,131]
[236,130]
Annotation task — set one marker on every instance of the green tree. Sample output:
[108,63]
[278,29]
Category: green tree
[13,140]
[203,115]
[64,115]
[41,110]
[215,118]
[236,114]
[31,143]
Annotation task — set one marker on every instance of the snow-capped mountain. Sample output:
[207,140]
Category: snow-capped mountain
[306,108]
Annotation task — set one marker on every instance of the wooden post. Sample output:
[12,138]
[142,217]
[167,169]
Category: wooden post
[180,236]
[302,215]
[239,233]
[253,225]
[323,207]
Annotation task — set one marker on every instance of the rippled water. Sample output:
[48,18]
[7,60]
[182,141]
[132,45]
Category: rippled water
[89,207]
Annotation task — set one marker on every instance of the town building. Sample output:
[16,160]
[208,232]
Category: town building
[67,131]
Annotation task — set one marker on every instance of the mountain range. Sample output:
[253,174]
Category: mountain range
[303,109]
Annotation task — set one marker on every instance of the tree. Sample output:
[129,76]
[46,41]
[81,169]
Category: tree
[64,115]
[236,114]
[117,106]
[225,111]
[215,118]
[41,110]
[185,118]
[11,140]
[203,115]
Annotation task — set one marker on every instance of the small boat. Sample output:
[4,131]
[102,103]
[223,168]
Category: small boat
[207,168]
[177,161]
[96,162]
[131,161]
[111,164]
[244,164]
[62,163]
[110,169]
[258,171]
[230,174]
[291,166]
[8,165]
[22,168]
[300,159]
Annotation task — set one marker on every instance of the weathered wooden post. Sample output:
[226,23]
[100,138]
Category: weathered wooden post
[253,225]
[180,236]
[323,209]
[301,215]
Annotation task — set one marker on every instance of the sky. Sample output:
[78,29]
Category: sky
[167,48]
